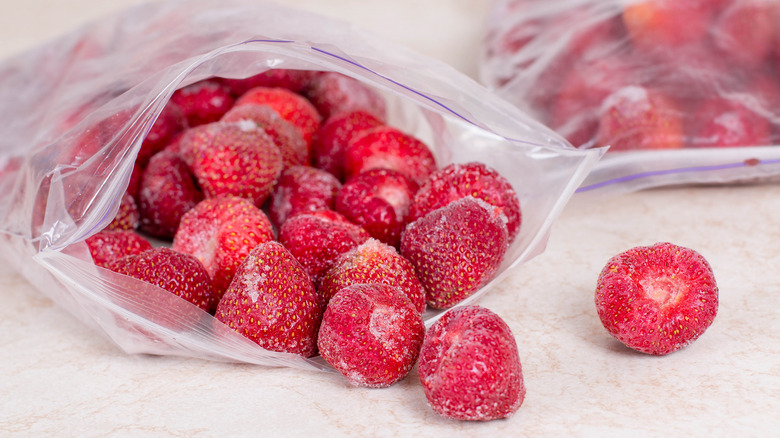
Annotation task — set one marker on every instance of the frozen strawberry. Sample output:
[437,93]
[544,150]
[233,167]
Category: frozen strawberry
[470,366]
[372,262]
[387,147]
[302,189]
[372,334]
[293,107]
[134,185]
[168,191]
[220,232]
[457,181]
[128,216]
[662,26]
[728,123]
[333,93]
[203,102]
[657,299]
[272,302]
[745,31]
[169,123]
[232,159]
[108,246]
[639,118]
[317,238]
[456,249]
[181,274]
[285,135]
[293,80]
[333,137]
[378,200]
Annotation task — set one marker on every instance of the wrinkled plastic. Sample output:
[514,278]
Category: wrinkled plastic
[715,62]
[77,109]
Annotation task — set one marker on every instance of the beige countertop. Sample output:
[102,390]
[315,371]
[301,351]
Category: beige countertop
[59,378]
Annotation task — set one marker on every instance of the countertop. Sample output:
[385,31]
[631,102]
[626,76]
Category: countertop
[59,378]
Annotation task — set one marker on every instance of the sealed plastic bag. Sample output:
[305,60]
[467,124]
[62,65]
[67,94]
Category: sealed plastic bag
[78,108]
[682,92]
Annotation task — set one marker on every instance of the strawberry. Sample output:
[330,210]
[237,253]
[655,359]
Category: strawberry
[220,232]
[180,274]
[662,26]
[470,366]
[293,80]
[657,299]
[728,123]
[127,217]
[134,185]
[272,301]
[203,102]
[456,249]
[372,334]
[387,147]
[333,93]
[457,181]
[169,123]
[284,134]
[302,189]
[168,191]
[107,246]
[293,107]
[745,31]
[232,159]
[637,118]
[333,137]
[373,262]
[317,238]
[378,200]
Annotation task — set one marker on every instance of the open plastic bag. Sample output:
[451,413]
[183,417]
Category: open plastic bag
[683,92]
[78,108]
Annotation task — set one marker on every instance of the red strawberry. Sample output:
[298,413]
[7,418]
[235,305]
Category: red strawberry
[470,367]
[638,118]
[372,334]
[232,159]
[745,31]
[387,147]
[333,137]
[168,191]
[128,216]
[373,262]
[181,274]
[286,136]
[108,246]
[456,249]
[333,93]
[302,189]
[317,238]
[134,185]
[457,181]
[272,302]
[728,123]
[661,26]
[169,123]
[220,232]
[293,80]
[292,107]
[657,299]
[203,102]
[378,200]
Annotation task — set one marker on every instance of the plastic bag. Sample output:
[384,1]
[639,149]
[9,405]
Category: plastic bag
[79,107]
[682,92]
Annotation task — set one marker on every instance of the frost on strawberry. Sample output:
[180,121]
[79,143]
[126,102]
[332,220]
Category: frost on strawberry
[372,334]
[470,366]
[272,301]
[657,299]
[456,249]
[109,245]
[373,262]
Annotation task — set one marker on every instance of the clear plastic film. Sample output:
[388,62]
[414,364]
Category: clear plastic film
[706,71]
[79,107]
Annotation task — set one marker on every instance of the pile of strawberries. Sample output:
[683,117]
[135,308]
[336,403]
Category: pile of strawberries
[299,218]
[651,74]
